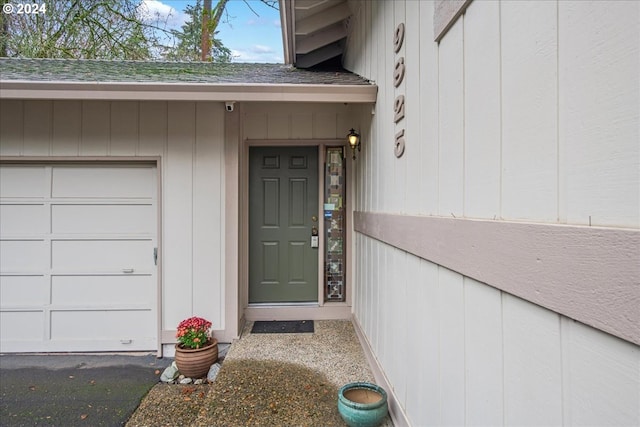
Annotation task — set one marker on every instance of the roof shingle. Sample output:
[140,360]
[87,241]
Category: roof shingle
[72,70]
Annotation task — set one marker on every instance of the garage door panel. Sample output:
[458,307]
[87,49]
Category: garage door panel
[103,182]
[102,255]
[102,325]
[103,219]
[22,325]
[23,291]
[102,290]
[23,181]
[23,255]
[23,219]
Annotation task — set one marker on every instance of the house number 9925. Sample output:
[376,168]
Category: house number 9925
[398,78]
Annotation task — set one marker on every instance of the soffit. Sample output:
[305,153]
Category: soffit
[314,31]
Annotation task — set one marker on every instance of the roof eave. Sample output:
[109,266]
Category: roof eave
[240,92]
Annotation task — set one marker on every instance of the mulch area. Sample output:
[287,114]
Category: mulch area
[245,393]
[171,405]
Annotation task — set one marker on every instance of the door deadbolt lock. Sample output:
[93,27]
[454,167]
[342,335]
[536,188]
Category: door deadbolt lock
[315,239]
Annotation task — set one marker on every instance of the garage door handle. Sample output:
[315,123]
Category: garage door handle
[127,270]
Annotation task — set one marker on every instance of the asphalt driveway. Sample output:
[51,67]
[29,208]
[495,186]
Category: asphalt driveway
[74,390]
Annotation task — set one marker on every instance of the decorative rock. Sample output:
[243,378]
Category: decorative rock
[170,373]
[213,372]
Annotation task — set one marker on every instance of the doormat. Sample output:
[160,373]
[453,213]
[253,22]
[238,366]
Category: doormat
[282,327]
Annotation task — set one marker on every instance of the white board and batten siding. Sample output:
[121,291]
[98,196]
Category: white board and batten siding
[473,355]
[285,121]
[525,111]
[89,220]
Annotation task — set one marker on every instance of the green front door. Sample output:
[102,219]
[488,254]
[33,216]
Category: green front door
[283,210]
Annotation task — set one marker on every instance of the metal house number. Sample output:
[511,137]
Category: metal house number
[398,78]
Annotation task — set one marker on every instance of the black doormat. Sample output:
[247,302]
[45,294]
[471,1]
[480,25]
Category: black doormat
[282,326]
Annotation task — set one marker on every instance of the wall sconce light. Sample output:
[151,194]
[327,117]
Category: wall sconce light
[354,141]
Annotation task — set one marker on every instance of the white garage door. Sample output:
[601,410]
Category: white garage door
[77,265]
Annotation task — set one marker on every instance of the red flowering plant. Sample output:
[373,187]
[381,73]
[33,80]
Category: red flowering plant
[193,332]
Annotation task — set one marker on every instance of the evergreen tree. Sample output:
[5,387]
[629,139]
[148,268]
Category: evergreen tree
[190,37]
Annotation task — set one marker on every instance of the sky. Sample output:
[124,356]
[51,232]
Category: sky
[251,38]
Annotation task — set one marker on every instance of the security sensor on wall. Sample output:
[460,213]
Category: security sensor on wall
[229,105]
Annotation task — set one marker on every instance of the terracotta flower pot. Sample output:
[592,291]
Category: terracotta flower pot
[195,362]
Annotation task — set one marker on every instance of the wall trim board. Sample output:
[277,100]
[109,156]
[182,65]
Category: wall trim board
[313,142]
[81,159]
[445,14]
[275,312]
[232,214]
[396,412]
[589,274]
[144,91]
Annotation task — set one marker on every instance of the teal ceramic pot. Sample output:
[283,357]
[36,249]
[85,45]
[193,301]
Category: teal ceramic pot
[362,404]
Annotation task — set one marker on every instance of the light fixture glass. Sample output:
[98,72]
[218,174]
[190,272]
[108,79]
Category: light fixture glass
[354,141]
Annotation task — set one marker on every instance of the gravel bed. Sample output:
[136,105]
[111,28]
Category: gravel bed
[267,380]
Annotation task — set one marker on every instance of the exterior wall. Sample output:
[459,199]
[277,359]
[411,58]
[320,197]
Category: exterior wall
[525,111]
[189,138]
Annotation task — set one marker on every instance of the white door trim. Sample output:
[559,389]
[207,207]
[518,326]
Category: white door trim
[323,310]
